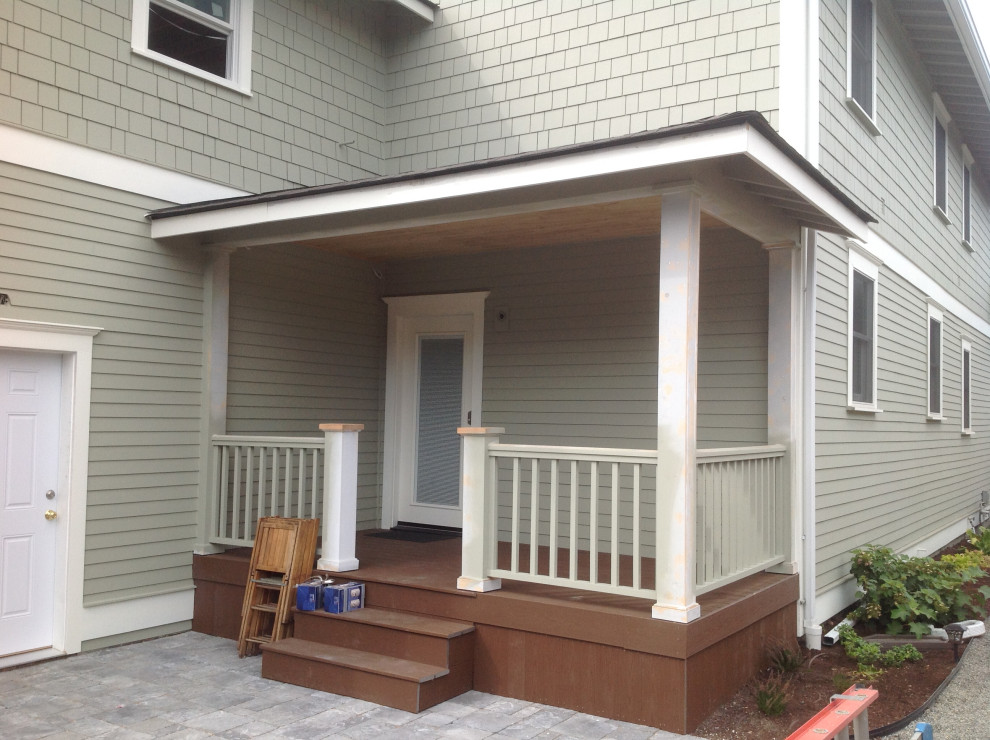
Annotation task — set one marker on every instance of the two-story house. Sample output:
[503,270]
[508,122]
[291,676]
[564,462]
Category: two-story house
[664,307]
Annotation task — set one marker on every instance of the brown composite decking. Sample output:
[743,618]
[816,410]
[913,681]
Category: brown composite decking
[597,653]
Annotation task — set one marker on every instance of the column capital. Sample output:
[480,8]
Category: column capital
[784,245]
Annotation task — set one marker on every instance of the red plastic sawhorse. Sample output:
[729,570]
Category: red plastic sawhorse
[845,710]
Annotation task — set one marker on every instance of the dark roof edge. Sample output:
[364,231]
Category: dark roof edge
[750,118]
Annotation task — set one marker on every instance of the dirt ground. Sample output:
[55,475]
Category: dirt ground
[902,690]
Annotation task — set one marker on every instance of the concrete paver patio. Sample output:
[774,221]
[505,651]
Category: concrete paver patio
[191,686]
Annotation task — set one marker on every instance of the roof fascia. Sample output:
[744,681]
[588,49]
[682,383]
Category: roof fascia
[423,9]
[774,160]
[544,171]
[701,147]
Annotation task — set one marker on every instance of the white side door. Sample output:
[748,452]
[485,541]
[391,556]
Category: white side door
[30,387]
[433,387]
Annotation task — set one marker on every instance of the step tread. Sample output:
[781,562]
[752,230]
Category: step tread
[406,621]
[382,665]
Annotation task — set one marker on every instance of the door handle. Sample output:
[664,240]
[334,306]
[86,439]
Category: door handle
[51,515]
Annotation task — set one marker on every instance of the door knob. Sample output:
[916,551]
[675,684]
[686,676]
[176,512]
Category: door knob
[51,515]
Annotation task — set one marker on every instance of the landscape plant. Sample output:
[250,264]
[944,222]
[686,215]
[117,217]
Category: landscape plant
[899,594]
[980,539]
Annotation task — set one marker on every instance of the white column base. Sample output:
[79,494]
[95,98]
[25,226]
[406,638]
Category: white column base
[479,584]
[337,566]
[788,568]
[206,548]
[677,613]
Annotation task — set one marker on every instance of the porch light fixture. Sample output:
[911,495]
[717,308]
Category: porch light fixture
[955,632]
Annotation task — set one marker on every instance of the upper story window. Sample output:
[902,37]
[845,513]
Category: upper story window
[967,376]
[934,363]
[967,206]
[861,59]
[207,38]
[862,368]
[941,173]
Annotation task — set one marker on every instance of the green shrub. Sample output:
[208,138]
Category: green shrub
[904,594]
[772,694]
[968,559]
[870,658]
[980,540]
[898,656]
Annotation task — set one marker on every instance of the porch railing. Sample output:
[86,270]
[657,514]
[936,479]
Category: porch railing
[742,513]
[302,477]
[255,476]
[586,517]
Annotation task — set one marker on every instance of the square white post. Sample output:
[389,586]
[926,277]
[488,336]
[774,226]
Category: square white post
[478,501]
[783,387]
[339,497]
[677,412]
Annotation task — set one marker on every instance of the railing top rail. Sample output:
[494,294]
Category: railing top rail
[740,453]
[600,454]
[265,441]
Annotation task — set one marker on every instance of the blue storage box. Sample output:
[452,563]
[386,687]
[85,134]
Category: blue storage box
[343,597]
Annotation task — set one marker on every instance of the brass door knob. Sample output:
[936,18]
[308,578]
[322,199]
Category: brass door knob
[51,515]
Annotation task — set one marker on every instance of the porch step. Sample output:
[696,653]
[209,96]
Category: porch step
[399,659]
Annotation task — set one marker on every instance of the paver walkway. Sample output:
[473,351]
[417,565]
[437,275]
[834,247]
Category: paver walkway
[192,686]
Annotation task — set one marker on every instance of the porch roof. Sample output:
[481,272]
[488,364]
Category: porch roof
[748,176]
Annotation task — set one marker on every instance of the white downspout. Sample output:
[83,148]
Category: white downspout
[812,629]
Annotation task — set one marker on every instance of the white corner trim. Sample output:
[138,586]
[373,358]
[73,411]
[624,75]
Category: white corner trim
[36,151]
[137,614]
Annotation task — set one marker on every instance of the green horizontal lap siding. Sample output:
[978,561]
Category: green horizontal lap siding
[307,347]
[892,175]
[75,253]
[893,478]
[578,363]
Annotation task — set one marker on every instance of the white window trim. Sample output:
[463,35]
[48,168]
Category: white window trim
[870,122]
[941,117]
[935,314]
[862,262]
[966,347]
[241,19]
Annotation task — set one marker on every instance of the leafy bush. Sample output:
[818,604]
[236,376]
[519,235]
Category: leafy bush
[980,540]
[772,694]
[904,594]
[968,559]
[870,658]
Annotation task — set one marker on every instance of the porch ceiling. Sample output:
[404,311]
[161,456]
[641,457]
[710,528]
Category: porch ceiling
[747,177]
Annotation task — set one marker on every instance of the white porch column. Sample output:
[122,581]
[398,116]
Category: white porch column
[213,416]
[783,383]
[340,461]
[677,412]
[478,536]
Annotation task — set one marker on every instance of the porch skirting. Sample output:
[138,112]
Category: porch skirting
[593,653]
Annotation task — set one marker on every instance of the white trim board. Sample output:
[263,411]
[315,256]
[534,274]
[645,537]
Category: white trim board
[137,614]
[59,157]
[75,345]
[886,253]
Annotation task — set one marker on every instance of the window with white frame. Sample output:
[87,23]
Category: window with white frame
[934,362]
[967,396]
[861,56]
[941,175]
[967,205]
[862,349]
[207,38]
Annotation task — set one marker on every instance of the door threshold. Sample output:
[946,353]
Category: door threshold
[433,528]
[29,656]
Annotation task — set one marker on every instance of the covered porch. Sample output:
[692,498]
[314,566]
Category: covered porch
[627,324]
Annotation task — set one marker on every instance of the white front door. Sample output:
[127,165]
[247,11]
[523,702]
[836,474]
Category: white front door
[433,387]
[30,384]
